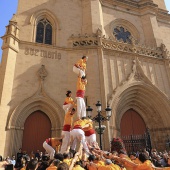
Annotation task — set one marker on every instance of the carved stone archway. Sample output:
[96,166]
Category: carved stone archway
[151,105]
[138,92]
[38,101]
[16,122]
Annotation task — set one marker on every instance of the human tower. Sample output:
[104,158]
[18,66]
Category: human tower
[81,130]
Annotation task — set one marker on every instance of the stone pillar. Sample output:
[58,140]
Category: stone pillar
[160,3]
[7,72]
[149,14]
[151,30]
[92,16]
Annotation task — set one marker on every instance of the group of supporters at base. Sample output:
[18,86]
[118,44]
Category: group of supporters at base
[22,157]
[97,159]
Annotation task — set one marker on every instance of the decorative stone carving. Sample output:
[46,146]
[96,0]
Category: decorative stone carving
[99,33]
[133,40]
[112,43]
[138,76]
[131,48]
[137,73]
[84,40]
[42,73]
[165,52]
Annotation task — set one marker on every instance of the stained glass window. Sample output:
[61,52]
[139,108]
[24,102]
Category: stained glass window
[44,32]
[40,33]
[122,34]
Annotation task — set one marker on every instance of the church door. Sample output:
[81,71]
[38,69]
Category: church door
[37,128]
[133,129]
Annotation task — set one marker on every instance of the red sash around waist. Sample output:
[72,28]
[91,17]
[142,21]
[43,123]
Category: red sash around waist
[48,141]
[89,132]
[80,93]
[77,127]
[67,128]
[75,65]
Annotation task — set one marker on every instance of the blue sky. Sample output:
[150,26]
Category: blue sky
[9,7]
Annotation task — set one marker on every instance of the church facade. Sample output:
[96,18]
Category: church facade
[127,43]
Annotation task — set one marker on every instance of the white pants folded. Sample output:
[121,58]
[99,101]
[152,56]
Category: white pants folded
[78,71]
[81,107]
[67,107]
[91,139]
[49,149]
[65,141]
[78,135]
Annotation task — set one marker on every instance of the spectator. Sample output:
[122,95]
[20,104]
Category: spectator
[78,166]
[59,156]
[168,163]
[41,156]
[13,161]
[37,154]
[63,166]
[32,165]
[133,158]
[54,164]
[67,160]
[43,165]
[0,158]
[19,154]
[32,155]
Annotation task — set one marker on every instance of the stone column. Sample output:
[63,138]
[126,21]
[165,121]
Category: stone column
[92,16]
[7,72]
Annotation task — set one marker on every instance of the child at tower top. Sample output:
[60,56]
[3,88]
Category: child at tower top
[69,102]
[80,67]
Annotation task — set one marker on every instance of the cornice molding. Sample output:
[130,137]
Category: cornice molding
[112,44]
[98,40]
[10,36]
[138,7]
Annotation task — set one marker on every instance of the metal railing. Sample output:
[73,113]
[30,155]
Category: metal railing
[134,143]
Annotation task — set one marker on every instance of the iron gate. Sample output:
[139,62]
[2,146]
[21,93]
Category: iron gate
[134,143]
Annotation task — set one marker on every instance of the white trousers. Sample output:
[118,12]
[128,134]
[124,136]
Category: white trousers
[78,135]
[91,139]
[81,107]
[65,141]
[49,149]
[67,107]
[78,71]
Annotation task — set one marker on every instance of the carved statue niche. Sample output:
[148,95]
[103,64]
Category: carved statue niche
[42,73]
[99,32]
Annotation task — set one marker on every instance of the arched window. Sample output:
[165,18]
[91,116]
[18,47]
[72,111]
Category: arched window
[122,34]
[44,32]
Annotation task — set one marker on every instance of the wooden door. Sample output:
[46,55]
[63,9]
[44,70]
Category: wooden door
[132,123]
[37,128]
[133,131]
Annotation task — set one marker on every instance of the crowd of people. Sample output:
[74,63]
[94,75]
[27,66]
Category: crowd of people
[95,159]
[77,148]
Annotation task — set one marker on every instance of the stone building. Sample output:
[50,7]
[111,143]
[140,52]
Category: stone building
[128,68]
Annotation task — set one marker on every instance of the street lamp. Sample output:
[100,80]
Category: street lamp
[99,118]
